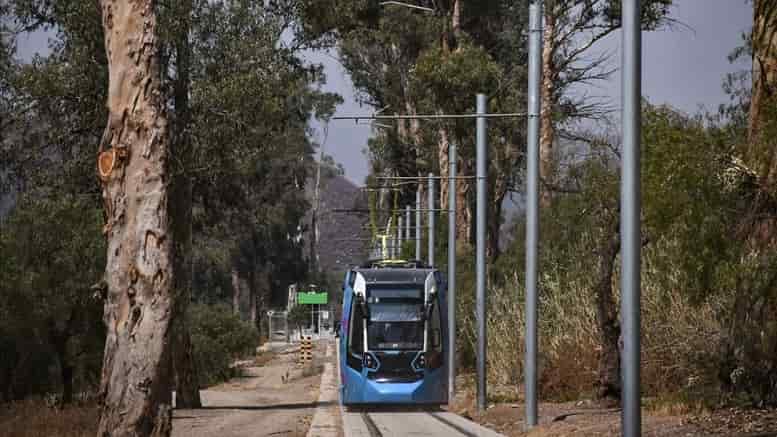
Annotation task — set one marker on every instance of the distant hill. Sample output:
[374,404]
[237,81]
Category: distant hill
[339,245]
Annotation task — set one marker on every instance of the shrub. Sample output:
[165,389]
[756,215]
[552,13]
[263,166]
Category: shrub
[219,338]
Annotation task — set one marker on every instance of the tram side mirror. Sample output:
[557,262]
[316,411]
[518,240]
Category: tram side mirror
[428,310]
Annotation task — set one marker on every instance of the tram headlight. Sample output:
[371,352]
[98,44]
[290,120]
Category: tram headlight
[369,361]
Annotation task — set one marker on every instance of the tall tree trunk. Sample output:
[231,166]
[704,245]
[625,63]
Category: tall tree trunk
[187,384]
[463,207]
[66,371]
[497,196]
[59,336]
[762,153]
[187,388]
[547,94]
[252,286]
[139,274]
[456,19]
[442,156]
[59,343]
[608,384]
[414,124]
[235,291]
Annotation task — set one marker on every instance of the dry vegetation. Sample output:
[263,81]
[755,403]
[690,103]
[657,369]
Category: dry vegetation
[677,340]
[34,418]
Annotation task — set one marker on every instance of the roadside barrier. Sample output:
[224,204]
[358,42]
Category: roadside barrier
[305,350]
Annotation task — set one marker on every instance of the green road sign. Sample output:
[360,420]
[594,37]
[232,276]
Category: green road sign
[312,298]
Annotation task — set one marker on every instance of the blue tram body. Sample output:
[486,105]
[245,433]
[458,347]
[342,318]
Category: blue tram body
[392,335]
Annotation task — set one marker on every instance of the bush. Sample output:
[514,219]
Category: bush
[219,338]
[708,293]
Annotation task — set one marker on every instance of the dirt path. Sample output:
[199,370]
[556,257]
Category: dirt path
[277,398]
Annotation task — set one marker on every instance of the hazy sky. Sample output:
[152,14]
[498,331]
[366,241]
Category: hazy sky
[683,67]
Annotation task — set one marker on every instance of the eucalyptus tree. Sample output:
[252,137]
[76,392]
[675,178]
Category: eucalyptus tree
[52,252]
[252,98]
[763,43]
[748,357]
[57,117]
[572,30]
[415,62]
[139,275]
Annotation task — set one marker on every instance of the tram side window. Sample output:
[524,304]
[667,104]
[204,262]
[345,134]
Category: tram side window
[356,337]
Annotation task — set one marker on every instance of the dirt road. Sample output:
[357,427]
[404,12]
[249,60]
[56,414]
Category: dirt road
[277,398]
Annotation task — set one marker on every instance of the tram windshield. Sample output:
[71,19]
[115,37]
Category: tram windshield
[396,319]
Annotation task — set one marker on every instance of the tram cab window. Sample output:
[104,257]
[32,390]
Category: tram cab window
[395,325]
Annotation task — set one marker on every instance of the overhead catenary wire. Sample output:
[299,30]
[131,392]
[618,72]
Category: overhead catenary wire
[429,116]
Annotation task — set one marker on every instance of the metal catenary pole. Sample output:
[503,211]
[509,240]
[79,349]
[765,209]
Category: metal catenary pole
[480,251]
[451,271]
[270,327]
[418,216]
[407,223]
[400,236]
[532,209]
[630,217]
[394,241]
[430,200]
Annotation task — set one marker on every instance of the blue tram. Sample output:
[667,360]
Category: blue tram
[392,335]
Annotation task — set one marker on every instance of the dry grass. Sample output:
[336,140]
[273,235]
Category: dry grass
[33,418]
[678,339]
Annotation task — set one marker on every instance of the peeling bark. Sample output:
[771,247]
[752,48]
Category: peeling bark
[456,19]
[140,301]
[463,208]
[442,156]
[764,41]
[547,102]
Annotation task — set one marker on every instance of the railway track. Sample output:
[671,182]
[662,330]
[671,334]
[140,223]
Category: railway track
[384,423]
[372,428]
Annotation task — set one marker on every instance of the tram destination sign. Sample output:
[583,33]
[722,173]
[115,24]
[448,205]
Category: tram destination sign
[312,298]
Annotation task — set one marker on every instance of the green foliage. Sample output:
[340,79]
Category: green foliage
[60,99]
[52,254]
[219,338]
[702,285]
[251,101]
[299,315]
[450,77]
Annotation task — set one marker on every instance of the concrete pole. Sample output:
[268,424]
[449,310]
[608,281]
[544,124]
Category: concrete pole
[418,234]
[532,209]
[480,251]
[430,206]
[630,218]
[451,271]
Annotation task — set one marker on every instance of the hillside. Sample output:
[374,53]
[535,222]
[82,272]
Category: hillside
[341,234]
